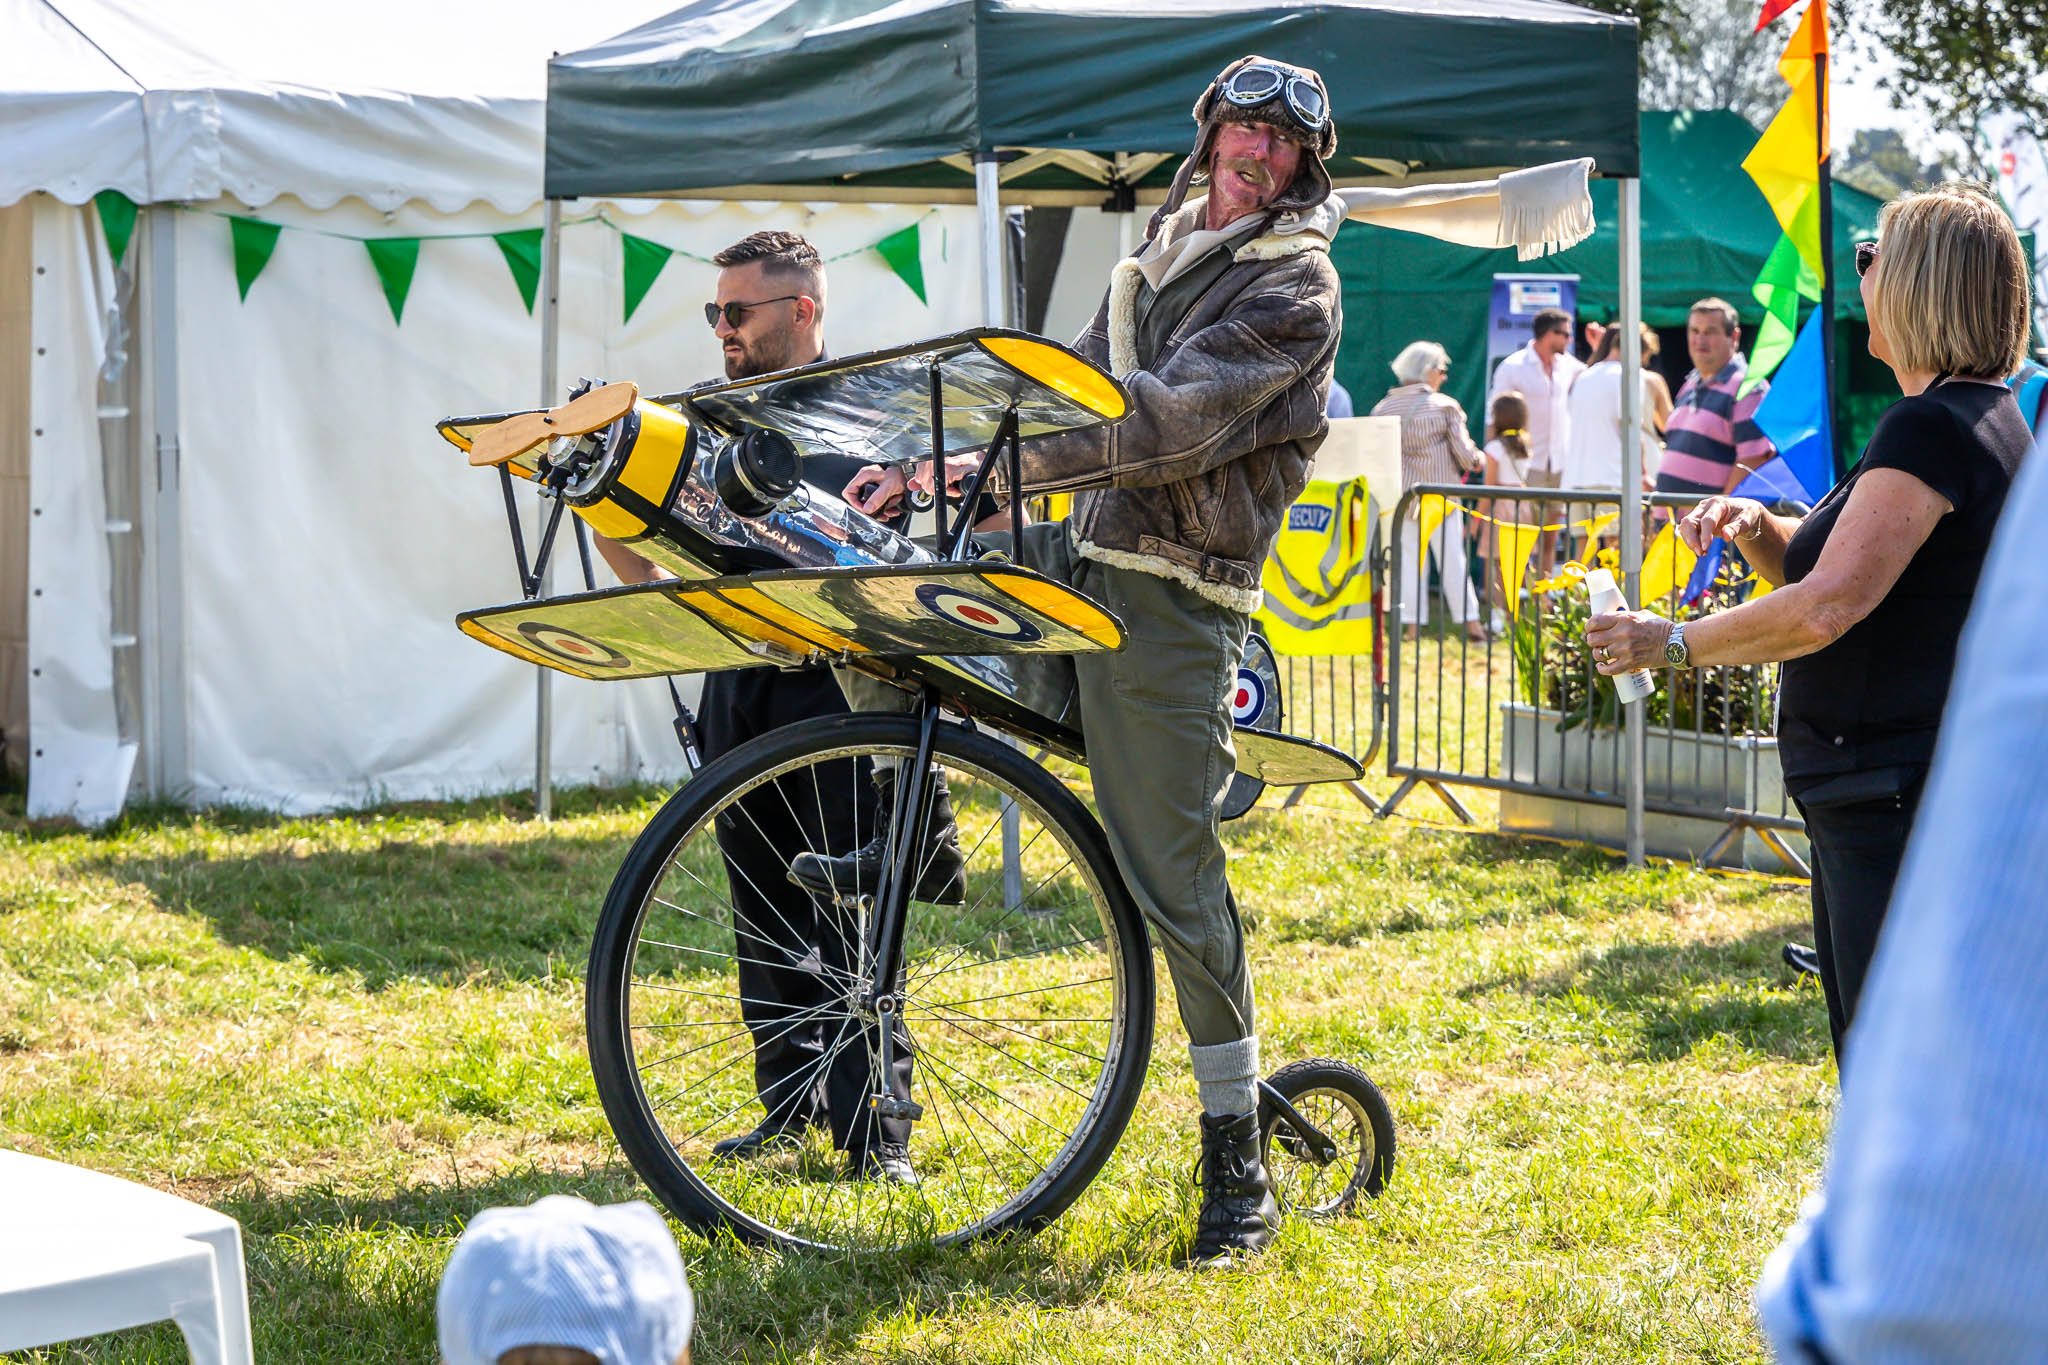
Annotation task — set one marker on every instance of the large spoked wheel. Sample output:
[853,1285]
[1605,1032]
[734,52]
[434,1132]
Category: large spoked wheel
[715,992]
[1346,1107]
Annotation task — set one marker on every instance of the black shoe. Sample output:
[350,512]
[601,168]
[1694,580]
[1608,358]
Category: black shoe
[768,1136]
[1801,958]
[887,1163]
[942,879]
[1239,1215]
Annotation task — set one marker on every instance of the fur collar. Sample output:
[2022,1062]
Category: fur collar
[1125,279]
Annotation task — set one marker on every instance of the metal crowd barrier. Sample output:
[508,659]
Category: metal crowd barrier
[1339,700]
[1524,714]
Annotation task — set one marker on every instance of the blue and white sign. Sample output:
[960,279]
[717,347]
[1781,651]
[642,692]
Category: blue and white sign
[1517,299]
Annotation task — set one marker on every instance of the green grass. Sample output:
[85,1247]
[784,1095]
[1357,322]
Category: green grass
[352,1033]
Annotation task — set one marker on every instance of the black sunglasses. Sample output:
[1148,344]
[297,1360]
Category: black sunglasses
[733,312]
[1866,257]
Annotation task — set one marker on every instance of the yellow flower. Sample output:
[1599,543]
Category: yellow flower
[1607,559]
[1568,574]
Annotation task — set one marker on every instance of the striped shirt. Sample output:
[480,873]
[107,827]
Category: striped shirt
[1710,429]
[1435,446]
[1928,1242]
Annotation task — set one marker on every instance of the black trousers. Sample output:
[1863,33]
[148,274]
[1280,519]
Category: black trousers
[796,953]
[1857,848]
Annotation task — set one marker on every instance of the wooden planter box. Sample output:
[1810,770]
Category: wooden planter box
[1703,773]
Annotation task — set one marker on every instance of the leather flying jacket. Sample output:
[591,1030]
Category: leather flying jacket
[1224,425]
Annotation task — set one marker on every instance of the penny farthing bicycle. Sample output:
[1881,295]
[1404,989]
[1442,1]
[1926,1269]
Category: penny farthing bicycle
[999,1021]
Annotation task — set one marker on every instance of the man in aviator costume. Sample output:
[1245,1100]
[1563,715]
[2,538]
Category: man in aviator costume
[1223,329]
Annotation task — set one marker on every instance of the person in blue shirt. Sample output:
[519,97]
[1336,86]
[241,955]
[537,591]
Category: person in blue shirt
[2030,386]
[1929,1242]
[1340,402]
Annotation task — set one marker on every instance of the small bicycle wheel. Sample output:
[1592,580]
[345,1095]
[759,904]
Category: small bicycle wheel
[1343,1102]
[714,993]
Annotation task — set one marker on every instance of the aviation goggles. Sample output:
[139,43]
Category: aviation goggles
[1262,81]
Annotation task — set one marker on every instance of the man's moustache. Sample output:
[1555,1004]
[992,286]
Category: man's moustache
[1253,171]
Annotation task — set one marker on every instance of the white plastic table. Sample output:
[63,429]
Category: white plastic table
[88,1253]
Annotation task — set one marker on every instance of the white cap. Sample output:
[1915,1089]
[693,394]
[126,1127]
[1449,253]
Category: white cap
[565,1272]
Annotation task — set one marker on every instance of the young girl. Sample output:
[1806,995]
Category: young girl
[1507,465]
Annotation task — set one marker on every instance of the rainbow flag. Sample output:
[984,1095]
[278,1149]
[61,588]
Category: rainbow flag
[1786,166]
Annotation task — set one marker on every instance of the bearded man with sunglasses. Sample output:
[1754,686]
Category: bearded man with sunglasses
[769,315]
[1224,329]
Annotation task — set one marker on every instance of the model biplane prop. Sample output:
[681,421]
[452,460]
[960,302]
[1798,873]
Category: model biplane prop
[771,571]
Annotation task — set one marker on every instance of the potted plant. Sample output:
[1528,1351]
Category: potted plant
[1709,750]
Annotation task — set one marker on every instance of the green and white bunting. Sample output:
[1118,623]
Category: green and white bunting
[117,220]
[903,250]
[254,240]
[396,259]
[643,261]
[522,256]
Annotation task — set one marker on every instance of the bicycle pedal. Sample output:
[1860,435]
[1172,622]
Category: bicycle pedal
[893,1107]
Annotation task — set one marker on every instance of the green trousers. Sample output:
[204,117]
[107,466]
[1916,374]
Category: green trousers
[1155,716]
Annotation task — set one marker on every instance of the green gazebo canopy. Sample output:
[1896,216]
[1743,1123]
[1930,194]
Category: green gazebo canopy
[892,99]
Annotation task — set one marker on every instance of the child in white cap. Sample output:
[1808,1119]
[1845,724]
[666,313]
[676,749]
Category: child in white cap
[566,1282]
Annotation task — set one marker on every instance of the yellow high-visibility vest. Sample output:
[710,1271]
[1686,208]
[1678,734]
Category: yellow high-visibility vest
[1318,578]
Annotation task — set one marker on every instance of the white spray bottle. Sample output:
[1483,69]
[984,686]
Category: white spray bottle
[1607,597]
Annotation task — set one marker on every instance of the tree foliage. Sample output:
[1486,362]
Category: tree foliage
[1880,162]
[1960,61]
[1954,60]
[1708,55]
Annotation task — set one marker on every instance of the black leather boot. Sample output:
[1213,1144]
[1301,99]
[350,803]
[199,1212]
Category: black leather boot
[1239,1215]
[886,1163]
[770,1135]
[943,880]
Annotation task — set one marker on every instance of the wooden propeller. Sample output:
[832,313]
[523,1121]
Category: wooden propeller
[524,431]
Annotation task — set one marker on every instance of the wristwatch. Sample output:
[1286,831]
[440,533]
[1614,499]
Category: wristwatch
[1674,648]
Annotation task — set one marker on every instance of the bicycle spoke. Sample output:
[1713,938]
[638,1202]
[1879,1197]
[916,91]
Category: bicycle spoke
[989,933]
[932,1013]
[1002,1131]
[734,926]
[737,917]
[1013,957]
[1034,990]
[1079,1094]
[723,1067]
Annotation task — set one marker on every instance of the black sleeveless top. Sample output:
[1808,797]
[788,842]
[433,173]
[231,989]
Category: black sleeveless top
[1873,698]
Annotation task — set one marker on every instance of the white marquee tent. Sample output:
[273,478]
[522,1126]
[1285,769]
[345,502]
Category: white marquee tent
[244,545]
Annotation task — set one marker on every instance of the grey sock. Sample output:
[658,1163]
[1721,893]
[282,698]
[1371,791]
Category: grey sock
[1226,1075]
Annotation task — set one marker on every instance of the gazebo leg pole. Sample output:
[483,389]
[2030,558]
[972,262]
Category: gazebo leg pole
[166,732]
[1630,353]
[989,208]
[550,320]
[995,312]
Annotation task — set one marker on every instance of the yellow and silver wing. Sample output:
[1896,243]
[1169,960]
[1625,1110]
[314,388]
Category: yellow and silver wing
[877,407]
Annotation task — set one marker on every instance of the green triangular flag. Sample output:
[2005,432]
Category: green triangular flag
[905,256]
[644,260]
[117,220]
[522,254]
[1785,279]
[254,241]
[394,258]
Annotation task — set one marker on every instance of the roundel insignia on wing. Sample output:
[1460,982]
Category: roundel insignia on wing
[978,614]
[1248,701]
[567,644]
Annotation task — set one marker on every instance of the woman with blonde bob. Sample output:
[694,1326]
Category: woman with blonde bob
[1435,448]
[1874,583]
